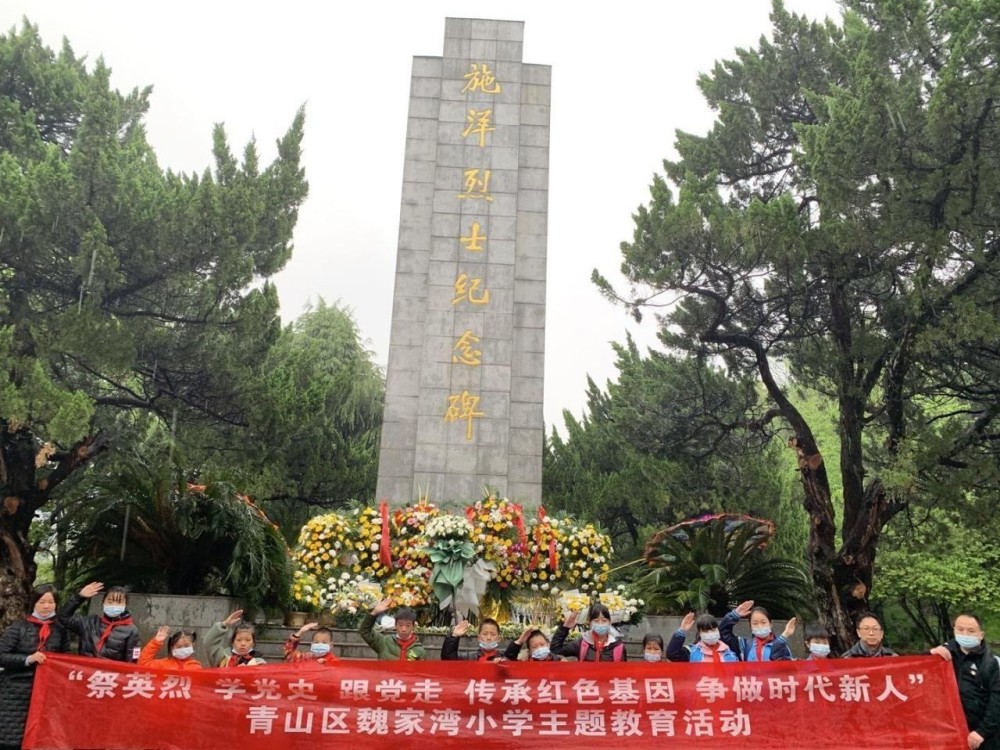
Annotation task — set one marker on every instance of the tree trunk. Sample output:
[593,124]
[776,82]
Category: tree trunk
[17,556]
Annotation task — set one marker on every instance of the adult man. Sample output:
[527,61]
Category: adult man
[977,672]
[870,635]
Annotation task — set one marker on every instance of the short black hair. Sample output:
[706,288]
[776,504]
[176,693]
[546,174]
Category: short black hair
[489,621]
[761,610]
[243,627]
[116,590]
[973,615]
[318,631]
[815,630]
[652,638]
[535,634]
[406,614]
[866,616]
[706,622]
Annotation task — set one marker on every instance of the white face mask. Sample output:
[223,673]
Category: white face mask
[37,616]
[651,656]
[183,652]
[710,637]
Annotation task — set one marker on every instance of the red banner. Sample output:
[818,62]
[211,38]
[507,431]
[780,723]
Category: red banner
[906,702]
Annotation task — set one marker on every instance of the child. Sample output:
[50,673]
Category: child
[489,642]
[240,651]
[652,647]
[708,647]
[320,650]
[111,635]
[404,646]
[817,641]
[180,646]
[600,643]
[762,646]
[538,646]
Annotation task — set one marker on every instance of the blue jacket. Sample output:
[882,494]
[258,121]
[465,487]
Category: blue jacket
[775,648]
[677,651]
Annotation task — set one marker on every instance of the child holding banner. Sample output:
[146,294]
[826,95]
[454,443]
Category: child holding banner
[239,652]
[23,645]
[110,635]
[600,643]
[404,646]
[180,646]
[708,647]
[320,650]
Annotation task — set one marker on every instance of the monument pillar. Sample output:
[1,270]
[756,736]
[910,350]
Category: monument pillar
[463,405]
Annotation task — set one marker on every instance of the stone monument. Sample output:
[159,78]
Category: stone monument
[463,407]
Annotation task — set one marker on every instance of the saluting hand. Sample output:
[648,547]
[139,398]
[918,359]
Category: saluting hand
[91,589]
[234,618]
[688,621]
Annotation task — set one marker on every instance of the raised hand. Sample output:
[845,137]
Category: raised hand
[789,629]
[461,629]
[570,622]
[523,638]
[162,633]
[234,618]
[744,608]
[688,621]
[382,606]
[306,628]
[91,589]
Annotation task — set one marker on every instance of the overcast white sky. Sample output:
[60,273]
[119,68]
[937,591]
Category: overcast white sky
[623,81]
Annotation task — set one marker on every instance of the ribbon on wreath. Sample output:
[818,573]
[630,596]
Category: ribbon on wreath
[474,580]
[449,557]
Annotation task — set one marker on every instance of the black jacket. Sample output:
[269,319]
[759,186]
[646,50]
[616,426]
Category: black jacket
[122,643]
[978,677]
[449,651]
[859,651]
[17,643]
[560,647]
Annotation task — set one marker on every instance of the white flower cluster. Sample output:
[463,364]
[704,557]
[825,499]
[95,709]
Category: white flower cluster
[620,604]
[447,526]
[350,594]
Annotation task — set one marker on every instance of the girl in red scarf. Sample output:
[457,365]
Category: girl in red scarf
[22,646]
[109,635]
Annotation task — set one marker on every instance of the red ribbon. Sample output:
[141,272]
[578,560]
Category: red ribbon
[110,625]
[385,551]
[522,535]
[44,626]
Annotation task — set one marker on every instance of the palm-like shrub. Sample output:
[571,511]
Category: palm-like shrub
[179,538]
[713,564]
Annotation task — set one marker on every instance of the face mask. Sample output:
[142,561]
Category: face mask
[49,616]
[762,632]
[819,649]
[242,651]
[489,645]
[319,649]
[710,637]
[114,610]
[967,641]
[183,652]
[540,653]
[652,657]
[600,629]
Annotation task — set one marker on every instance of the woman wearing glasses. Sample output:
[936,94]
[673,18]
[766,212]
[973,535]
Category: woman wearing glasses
[870,636]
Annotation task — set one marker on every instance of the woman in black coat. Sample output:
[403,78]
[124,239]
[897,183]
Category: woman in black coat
[22,646]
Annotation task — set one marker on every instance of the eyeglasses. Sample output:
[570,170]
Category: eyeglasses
[870,629]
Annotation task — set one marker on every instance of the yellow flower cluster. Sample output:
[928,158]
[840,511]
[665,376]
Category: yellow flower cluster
[586,557]
[498,539]
[324,544]
[306,591]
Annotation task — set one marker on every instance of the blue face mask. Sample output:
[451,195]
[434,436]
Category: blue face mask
[183,652]
[651,656]
[489,645]
[600,628]
[967,641]
[114,610]
[761,632]
[819,649]
[540,653]
[319,649]
[710,637]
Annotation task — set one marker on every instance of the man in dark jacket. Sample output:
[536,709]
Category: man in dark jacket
[110,635]
[977,672]
[870,635]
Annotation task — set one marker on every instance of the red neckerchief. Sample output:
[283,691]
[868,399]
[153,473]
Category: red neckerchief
[110,625]
[598,648]
[405,645]
[759,644]
[488,655]
[44,628]
[715,651]
[236,660]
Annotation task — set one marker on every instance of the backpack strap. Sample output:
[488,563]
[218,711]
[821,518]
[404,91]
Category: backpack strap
[584,648]
[617,651]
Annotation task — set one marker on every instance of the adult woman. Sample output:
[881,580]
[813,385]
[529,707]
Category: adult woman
[22,646]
